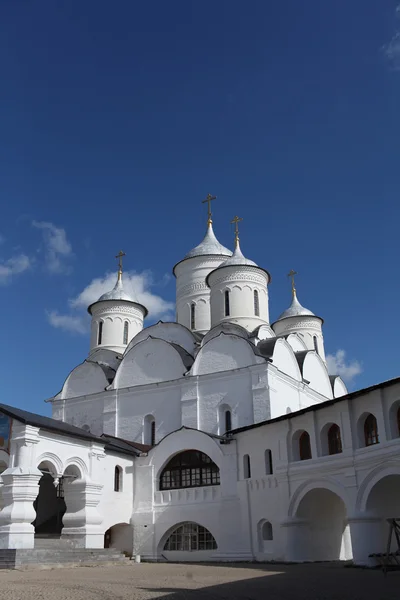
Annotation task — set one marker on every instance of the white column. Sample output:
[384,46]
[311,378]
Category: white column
[296,538]
[19,490]
[82,521]
[366,538]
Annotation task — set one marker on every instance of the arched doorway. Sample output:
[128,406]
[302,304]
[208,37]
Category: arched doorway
[49,504]
[383,502]
[120,536]
[323,533]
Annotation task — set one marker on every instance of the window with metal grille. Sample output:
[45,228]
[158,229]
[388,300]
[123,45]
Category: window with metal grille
[60,488]
[153,433]
[189,469]
[371,431]
[100,333]
[227,304]
[256,304]
[190,537]
[315,343]
[334,439]
[126,331]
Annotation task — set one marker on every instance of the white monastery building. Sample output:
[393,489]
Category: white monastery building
[220,436]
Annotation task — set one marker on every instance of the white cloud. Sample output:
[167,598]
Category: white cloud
[337,365]
[75,324]
[14,266]
[392,49]
[138,285]
[57,246]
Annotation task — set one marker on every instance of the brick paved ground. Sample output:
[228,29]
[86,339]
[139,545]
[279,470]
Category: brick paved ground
[199,582]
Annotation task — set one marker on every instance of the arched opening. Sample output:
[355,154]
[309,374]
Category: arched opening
[193,316]
[315,341]
[371,431]
[120,536]
[256,303]
[149,430]
[246,466]
[383,503]
[189,537]
[323,533]
[189,469]
[394,420]
[100,333]
[49,504]
[126,332]
[265,536]
[227,304]
[268,462]
[305,446]
[331,440]
[118,479]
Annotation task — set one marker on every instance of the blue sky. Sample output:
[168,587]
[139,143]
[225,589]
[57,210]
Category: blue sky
[118,118]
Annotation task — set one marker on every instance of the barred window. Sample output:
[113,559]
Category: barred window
[100,333]
[334,439]
[256,304]
[126,330]
[189,469]
[371,431]
[190,537]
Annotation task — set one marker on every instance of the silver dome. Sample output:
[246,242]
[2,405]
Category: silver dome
[296,310]
[117,293]
[238,259]
[209,245]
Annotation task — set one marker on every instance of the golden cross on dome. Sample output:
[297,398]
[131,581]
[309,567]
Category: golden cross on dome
[236,220]
[292,274]
[119,256]
[209,199]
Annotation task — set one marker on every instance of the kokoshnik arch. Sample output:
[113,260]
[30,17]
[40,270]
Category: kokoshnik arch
[220,436]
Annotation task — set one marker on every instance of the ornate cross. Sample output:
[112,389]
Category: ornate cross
[236,220]
[209,199]
[119,256]
[292,274]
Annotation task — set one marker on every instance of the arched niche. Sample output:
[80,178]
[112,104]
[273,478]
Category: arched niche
[174,333]
[87,378]
[151,361]
[225,353]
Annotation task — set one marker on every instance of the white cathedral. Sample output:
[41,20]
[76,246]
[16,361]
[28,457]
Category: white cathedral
[217,437]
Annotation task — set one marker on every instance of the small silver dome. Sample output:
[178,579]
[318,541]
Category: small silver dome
[238,259]
[209,245]
[117,293]
[296,310]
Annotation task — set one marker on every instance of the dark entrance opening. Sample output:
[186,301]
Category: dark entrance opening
[50,506]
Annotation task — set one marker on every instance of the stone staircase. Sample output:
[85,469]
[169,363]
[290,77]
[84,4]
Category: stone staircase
[53,552]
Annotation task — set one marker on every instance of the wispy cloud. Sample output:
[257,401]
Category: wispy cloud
[337,365]
[392,49]
[140,286]
[14,266]
[57,247]
[74,324]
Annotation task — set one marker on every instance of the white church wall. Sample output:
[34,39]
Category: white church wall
[215,507]
[224,353]
[314,371]
[84,411]
[113,316]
